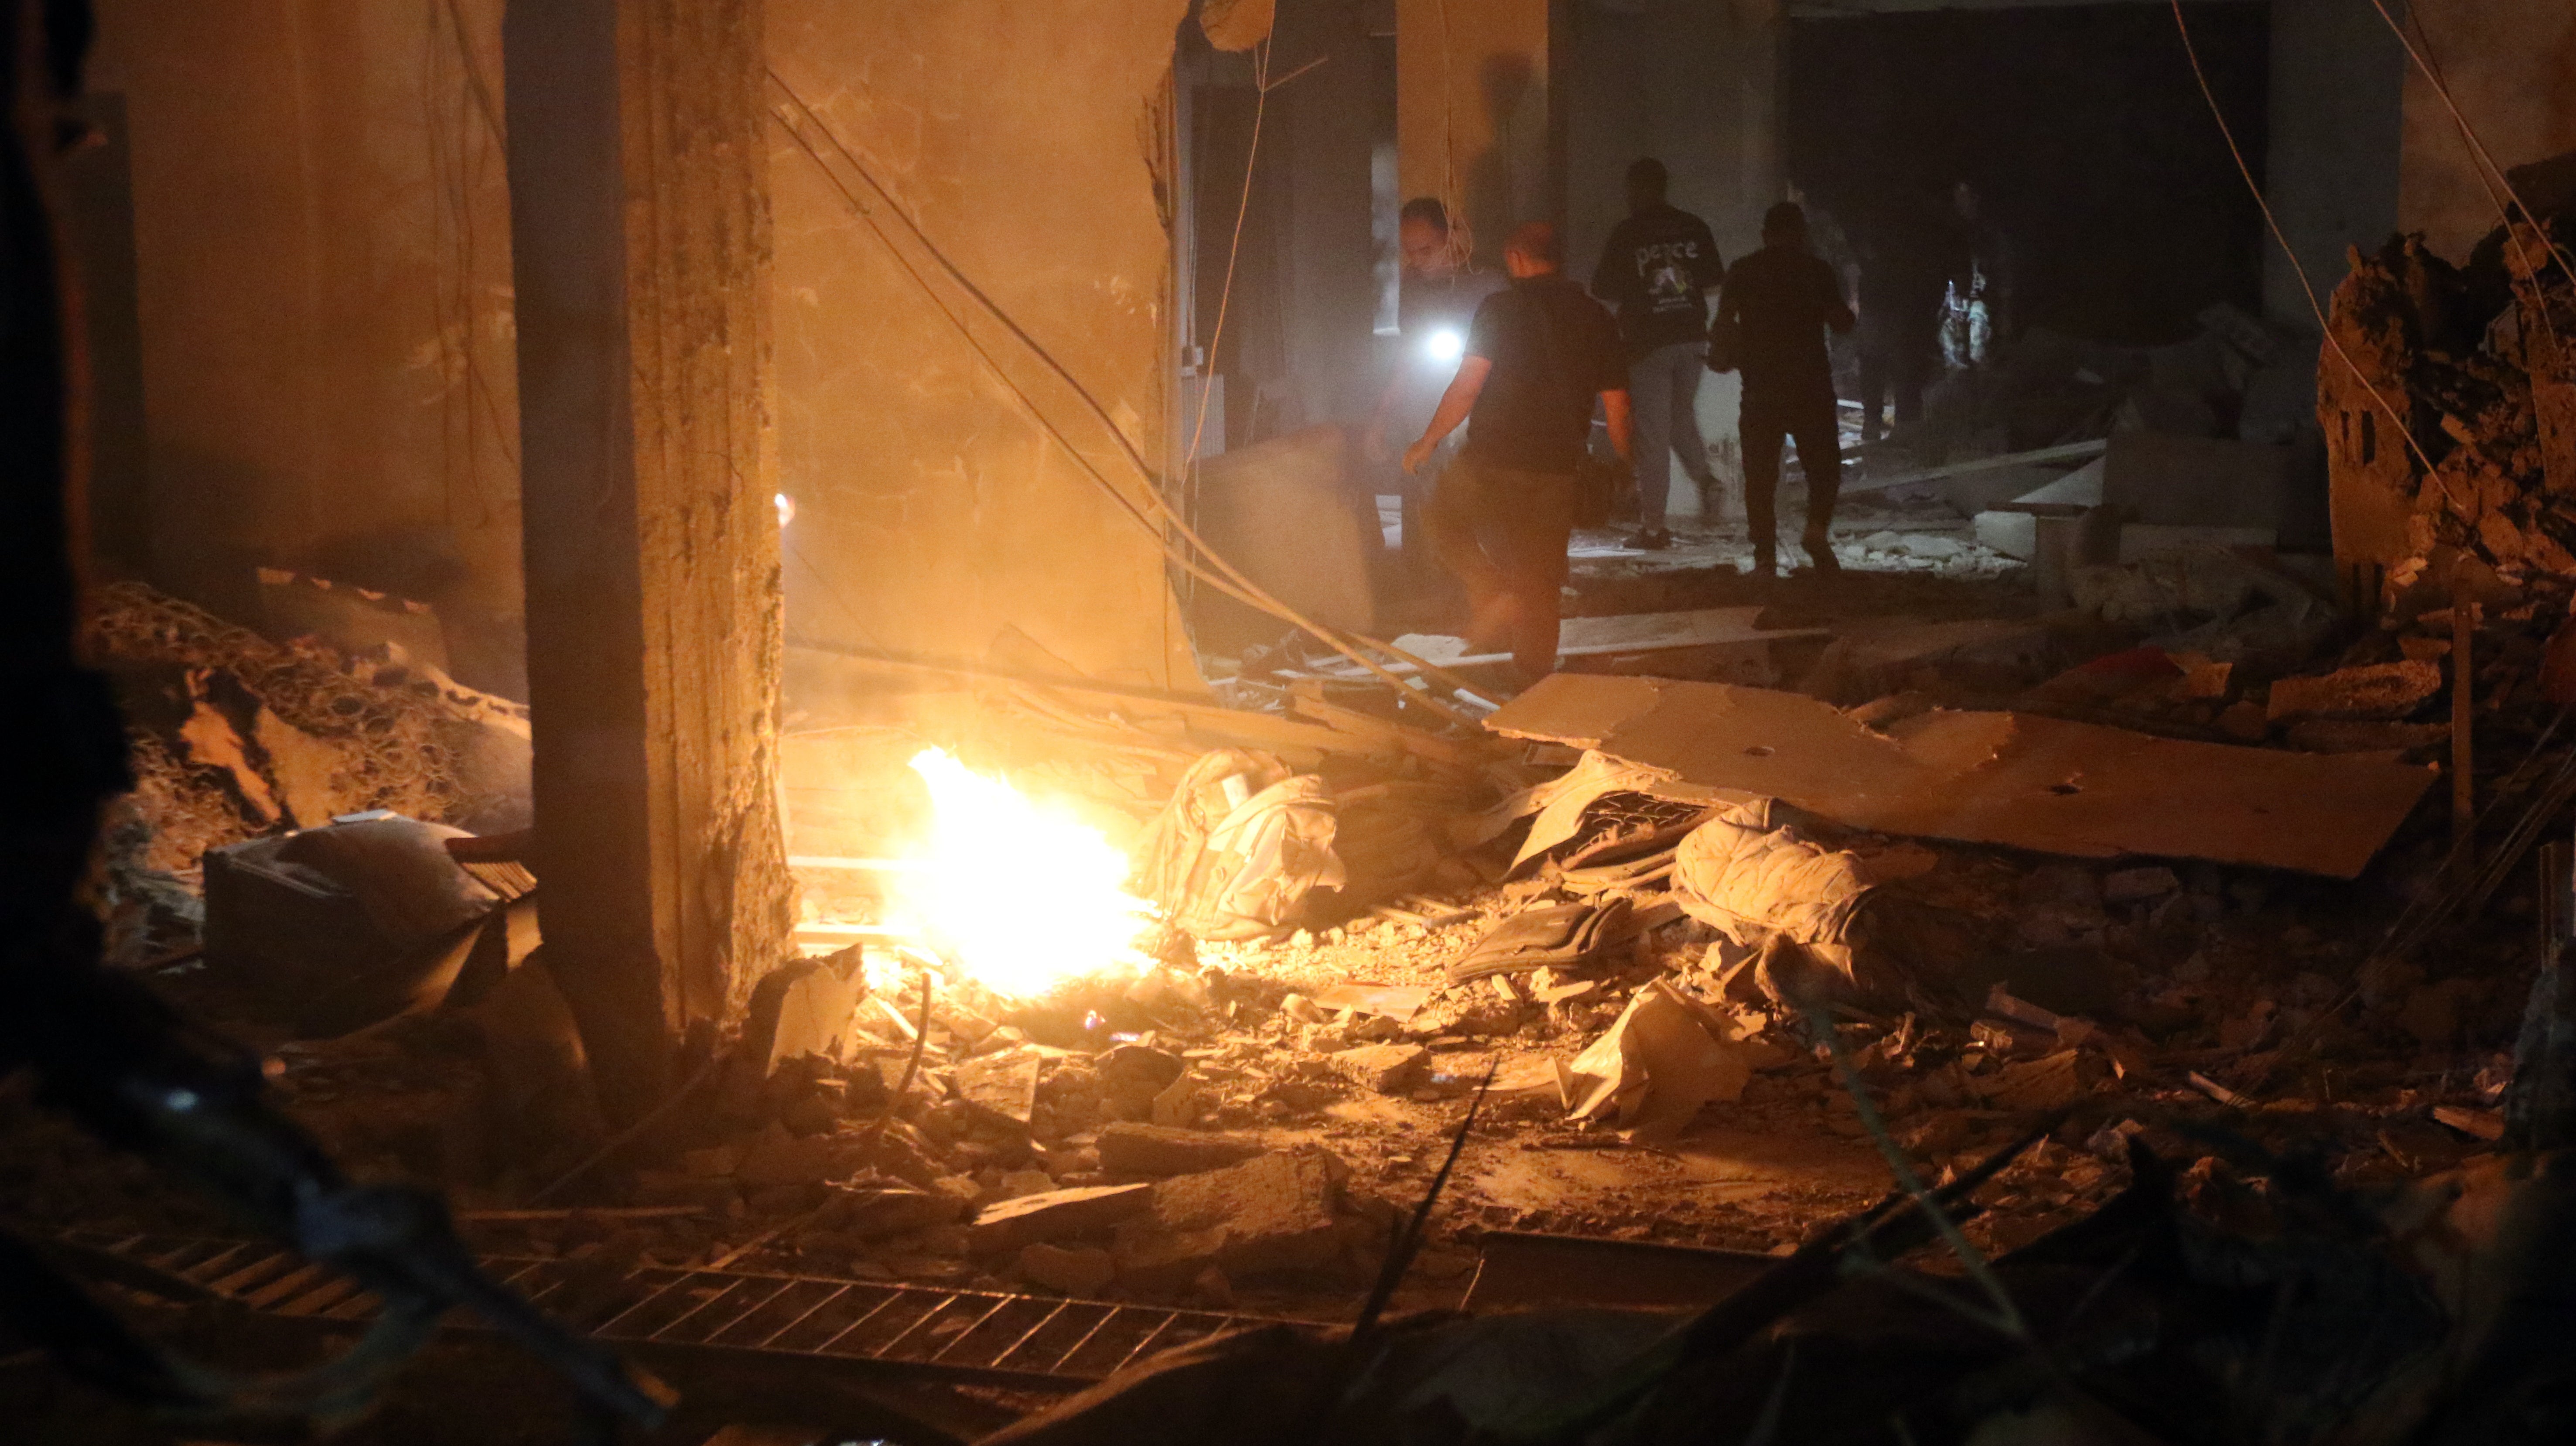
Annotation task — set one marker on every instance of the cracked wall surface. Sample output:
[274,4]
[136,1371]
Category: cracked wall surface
[935,516]
[323,274]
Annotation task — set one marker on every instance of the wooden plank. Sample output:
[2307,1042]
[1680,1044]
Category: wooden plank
[1636,634]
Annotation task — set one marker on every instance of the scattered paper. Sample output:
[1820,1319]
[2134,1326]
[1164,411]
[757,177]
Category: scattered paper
[1666,1057]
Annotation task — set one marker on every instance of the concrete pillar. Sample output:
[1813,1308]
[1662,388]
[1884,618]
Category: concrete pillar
[2511,66]
[1473,121]
[2338,113]
[638,189]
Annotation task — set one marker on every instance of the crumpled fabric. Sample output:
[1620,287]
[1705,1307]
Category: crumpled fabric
[1819,923]
[1755,881]
[1240,846]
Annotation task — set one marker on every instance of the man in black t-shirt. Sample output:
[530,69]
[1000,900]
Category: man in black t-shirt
[1538,355]
[1658,268]
[1771,320]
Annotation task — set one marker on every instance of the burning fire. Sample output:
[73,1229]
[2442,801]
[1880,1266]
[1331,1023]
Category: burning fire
[1020,896]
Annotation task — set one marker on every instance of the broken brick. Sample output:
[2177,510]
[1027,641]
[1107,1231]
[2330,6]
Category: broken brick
[1389,1069]
[2382,692]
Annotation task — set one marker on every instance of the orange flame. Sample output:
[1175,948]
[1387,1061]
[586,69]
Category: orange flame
[1023,897]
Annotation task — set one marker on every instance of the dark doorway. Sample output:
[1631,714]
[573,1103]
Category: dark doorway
[2080,127]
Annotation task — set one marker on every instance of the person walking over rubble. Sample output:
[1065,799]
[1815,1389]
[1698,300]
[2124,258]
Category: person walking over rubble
[1502,514]
[1436,302]
[1771,322]
[1903,286]
[1658,268]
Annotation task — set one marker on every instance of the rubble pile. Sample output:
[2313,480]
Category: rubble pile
[233,736]
[2471,359]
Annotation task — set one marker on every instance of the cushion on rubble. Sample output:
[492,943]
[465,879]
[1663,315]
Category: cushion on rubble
[1562,936]
[1814,913]
[341,926]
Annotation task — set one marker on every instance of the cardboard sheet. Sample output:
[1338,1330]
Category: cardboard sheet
[2010,779]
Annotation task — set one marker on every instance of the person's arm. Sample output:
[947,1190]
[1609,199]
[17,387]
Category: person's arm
[1709,267]
[1614,410]
[1838,312]
[1455,404]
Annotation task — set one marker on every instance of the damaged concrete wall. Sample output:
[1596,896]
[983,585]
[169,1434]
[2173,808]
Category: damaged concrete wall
[1473,123]
[935,517]
[1693,84]
[2511,66]
[322,243]
[2337,123]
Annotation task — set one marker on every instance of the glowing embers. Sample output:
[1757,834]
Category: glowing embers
[1021,896]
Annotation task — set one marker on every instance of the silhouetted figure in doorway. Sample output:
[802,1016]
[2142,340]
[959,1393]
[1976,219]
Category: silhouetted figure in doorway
[1771,322]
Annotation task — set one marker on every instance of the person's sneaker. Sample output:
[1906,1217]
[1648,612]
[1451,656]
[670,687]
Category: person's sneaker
[1820,552]
[1654,540]
[1766,563]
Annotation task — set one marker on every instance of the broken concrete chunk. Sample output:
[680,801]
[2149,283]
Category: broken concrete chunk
[1078,1270]
[1178,1106]
[1002,1087]
[871,1214]
[1152,1257]
[1270,1213]
[1129,1148]
[2382,692]
[1032,1219]
[2326,735]
[806,1007]
[2040,1084]
[1393,1001]
[2245,720]
[1389,1069]
[776,1157]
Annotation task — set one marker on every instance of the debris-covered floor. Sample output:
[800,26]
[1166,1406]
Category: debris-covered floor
[1782,894]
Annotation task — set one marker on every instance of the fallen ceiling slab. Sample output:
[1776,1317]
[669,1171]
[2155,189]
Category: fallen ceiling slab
[2017,780]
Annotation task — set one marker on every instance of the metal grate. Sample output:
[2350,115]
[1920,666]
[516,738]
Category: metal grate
[972,1335]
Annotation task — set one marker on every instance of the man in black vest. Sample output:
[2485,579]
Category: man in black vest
[1538,355]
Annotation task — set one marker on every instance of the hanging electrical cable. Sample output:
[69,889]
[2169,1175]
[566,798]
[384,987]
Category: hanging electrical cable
[1234,582]
[2325,324]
